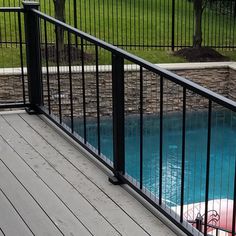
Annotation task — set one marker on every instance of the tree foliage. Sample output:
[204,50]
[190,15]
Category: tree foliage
[199,6]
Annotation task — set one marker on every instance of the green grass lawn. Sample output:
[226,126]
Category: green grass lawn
[11,57]
[131,22]
[147,22]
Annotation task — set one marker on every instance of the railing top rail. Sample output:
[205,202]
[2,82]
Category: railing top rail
[145,64]
[11,9]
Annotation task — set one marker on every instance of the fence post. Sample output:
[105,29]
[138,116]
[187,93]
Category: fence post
[118,118]
[32,38]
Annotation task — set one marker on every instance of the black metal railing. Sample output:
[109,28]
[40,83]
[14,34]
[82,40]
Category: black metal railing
[140,24]
[168,138]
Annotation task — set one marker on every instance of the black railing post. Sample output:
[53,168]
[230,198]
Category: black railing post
[118,117]
[32,38]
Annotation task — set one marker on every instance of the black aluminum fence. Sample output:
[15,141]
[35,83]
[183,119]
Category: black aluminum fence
[14,90]
[132,24]
[169,139]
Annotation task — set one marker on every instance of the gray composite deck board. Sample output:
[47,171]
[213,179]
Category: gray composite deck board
[10,217]
[119,195]
[29,210]
[45,198]
[66,189]
[1,232]
[66,192]
[112,212]
[51,205]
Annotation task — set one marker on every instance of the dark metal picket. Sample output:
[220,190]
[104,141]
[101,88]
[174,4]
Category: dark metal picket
[142,24]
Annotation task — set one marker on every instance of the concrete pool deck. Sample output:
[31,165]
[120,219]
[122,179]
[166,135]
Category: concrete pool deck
[105,68]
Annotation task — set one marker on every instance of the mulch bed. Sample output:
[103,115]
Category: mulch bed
[203,54]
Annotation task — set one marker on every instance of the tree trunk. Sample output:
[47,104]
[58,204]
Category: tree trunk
[59,6]
[197,38]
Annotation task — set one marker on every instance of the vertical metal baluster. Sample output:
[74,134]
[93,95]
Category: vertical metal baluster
[121,22]
[83,87]
[75,21]
[209,33]
[224,33]
[234,204]
[1,36]
[58,74]
[85,17]
[135,32]
[117,23]
[15,24]
[161,140]
[104,24]
[190,25]
[160,29]
[90,15]
[208,165]
[139,23]
[40,55]
[98,102]
[108,23]
[112,22]
[47,66]
[5,28]
[10,28]
[141,128]
[173,26]
[183,155]
[95,20]
[70,78]
[147,25]
[150,25]
[155,25]
[168,23]
[21,57]
[230,26]
[99,20]
[80,13]
[143,22]
[164,17]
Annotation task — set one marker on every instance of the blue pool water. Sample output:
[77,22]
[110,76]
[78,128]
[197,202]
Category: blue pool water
[222,161]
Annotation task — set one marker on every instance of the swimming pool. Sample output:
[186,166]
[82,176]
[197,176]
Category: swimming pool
[222,161]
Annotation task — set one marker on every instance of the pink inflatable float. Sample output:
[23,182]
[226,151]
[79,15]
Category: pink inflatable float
[220,214]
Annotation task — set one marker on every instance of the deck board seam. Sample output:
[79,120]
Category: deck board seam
[16,211]
[45,182]
[64,179]
[31,195]
[1,230]
[88,177]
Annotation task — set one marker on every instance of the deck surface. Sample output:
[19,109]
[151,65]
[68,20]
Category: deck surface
[48,187]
